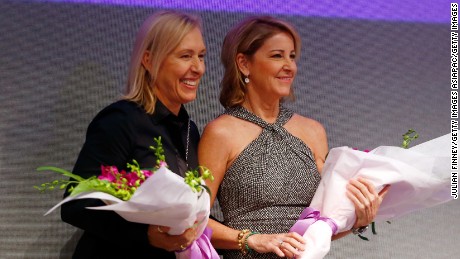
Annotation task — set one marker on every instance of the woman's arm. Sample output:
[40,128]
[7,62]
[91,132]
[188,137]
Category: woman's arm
[313,134]
[360,192]
[107,143]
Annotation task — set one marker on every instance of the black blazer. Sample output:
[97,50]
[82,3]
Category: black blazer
[121,132]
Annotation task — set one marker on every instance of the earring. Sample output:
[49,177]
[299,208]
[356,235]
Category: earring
[246,80]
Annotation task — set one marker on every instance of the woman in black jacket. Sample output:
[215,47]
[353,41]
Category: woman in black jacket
[166,67]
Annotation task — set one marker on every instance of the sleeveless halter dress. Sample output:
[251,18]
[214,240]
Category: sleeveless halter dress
[270,182]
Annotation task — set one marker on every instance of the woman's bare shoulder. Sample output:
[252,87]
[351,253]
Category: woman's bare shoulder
[308,126]
[313,134]
[221,126]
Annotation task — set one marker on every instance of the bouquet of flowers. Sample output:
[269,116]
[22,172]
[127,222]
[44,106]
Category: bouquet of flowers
[156,197]
[419,178]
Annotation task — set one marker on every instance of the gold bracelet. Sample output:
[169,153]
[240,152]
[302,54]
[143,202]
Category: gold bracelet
[241,240]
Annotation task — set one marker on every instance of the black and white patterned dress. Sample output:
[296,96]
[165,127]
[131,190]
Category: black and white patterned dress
[270,182]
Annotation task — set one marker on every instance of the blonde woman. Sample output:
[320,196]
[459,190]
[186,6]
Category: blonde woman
[165,71]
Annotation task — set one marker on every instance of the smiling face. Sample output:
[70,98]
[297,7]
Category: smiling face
[272,68]
[181,71]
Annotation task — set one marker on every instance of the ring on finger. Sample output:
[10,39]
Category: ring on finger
[281,242]
[159,229]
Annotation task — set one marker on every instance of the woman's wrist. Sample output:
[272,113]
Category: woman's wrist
[243,237]
[241,240]
[246,244]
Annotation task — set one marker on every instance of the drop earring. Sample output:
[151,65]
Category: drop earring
[246,80]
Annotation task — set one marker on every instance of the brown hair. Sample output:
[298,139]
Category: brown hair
[247,37]
[160,34]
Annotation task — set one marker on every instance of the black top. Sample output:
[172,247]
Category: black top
[121,132]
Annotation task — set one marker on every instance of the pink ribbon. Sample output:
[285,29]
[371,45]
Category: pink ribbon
[308,217]
[201,248]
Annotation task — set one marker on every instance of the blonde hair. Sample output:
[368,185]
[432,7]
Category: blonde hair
[160,34]
[247,37]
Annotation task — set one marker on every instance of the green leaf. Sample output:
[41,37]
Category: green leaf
[408,137]
[95,184]
[61,171]
[206,188]
[159,152]
[363,238]
[373,228]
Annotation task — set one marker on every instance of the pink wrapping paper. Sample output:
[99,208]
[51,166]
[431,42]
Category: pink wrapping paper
[419,178]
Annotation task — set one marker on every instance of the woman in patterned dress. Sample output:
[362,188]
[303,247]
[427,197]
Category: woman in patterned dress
[266,160]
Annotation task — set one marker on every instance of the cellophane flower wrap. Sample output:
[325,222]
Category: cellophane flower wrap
[154,197]
[419,178]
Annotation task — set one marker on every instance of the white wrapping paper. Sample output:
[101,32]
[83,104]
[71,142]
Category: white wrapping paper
[419,178]
[164,199]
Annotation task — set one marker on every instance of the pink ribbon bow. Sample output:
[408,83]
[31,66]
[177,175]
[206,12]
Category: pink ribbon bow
[200,248]
[308,217]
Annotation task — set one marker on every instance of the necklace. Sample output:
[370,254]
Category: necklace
[187,144]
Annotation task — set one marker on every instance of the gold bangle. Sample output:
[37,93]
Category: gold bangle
[241,239]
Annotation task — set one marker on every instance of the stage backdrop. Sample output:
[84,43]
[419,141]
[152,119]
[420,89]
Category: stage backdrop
[369,70]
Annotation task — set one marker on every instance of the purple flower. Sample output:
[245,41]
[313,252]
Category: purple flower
[132,178]
[163,163]
[146,173]
[108,173]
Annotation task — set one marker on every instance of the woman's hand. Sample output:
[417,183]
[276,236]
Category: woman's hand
[366,200]
[284,245]
[159,237]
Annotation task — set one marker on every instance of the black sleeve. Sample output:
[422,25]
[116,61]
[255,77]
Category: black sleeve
[108,142]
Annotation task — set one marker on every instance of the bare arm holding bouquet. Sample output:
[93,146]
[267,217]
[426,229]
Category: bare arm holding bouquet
[419,178]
